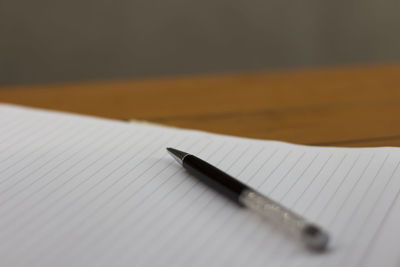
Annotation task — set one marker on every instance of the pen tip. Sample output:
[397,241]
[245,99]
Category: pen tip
[177,154]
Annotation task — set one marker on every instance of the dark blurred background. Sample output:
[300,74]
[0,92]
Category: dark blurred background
[61,41]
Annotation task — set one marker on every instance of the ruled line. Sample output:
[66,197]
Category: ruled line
[60,175]
[337,188]
[173,216]
[66,144]
[29,175]
[203,192]
[139,218]
[357,208]
[325,184]
[263,165]
[320,191]
[229,217]
[39,143]
[301,175]
[209,200]
[274,170]
[25,145]
[109,215]
[365,194]
[287,173]
[230,234]
[50,181]
[275,227]
[15,131]
[116,208]
[350,192]
[34,126]
[383,220]
[42,226]
[9,121]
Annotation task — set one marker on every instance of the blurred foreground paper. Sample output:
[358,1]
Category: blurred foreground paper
[83,191]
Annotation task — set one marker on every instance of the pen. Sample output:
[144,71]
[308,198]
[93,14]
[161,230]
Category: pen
[311,235]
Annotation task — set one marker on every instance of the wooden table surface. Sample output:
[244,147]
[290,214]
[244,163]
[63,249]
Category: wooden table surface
[352,106]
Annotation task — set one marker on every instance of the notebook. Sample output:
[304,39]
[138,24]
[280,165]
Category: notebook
[85,191]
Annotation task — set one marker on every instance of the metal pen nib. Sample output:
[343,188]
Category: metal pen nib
[177,154]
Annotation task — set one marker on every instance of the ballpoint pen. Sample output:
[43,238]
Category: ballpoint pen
[308,233]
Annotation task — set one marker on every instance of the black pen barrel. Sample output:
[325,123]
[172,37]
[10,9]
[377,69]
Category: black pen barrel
[214,177]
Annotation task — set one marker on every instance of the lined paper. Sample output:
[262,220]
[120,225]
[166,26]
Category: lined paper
[83,191]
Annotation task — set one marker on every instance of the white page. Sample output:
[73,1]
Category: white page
[83,191]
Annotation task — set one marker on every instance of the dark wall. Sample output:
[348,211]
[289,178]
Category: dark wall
[55,41]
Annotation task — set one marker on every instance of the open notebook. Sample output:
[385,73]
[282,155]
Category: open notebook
[83,191]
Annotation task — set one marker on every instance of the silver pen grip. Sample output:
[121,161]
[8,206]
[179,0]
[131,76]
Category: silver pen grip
[312,236]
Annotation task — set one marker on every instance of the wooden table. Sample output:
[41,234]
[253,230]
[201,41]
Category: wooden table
[357,106]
